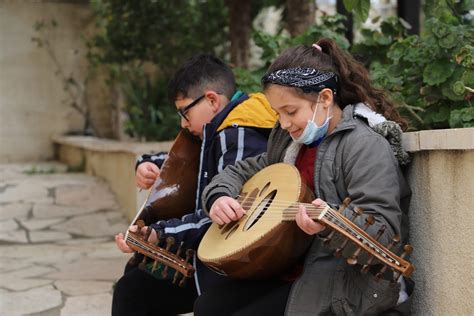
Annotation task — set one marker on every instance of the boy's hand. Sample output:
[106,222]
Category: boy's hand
[122,245]
[306,224]
[225,210]
[146,174]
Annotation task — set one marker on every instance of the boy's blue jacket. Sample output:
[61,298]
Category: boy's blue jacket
[239,131]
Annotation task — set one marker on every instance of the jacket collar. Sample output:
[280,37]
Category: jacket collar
[217,120]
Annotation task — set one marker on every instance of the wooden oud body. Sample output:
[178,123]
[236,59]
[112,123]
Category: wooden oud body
[174,192]
[260,244]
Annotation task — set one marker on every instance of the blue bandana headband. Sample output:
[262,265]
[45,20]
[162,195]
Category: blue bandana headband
[308,79]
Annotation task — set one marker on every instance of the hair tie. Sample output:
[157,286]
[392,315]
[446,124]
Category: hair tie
[317,47]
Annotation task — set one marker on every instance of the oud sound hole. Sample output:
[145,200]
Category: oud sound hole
[260,210]
[231,231]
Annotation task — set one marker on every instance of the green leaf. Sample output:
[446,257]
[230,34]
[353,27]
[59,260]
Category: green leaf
[350,4]
[359,7]
[462,118]
[437,72]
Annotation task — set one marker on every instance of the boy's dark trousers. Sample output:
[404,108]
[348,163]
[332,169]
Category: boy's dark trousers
[139,293]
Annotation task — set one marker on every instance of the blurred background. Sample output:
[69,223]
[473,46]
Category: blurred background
[83,93]
[101,67]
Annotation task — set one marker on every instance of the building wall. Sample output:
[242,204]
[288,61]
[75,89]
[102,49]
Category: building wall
[31,95]
[441,231]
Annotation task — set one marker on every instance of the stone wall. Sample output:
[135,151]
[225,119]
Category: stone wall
[441,177]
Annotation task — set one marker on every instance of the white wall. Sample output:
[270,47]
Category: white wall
[31,95]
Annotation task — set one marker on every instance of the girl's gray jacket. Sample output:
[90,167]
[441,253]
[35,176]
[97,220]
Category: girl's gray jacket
[359,159]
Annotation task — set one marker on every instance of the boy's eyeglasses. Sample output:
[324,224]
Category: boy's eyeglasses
[183,110]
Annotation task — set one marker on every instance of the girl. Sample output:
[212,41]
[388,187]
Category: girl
[328,117]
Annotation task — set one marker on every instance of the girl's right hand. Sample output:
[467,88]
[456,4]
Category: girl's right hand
[146,175]
[225,210]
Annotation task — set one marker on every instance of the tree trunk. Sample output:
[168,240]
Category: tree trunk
[240,26]
[300,15]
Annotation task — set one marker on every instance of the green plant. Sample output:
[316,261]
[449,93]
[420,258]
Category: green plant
[431,77]
[273,45]
[132,35]
[151,116]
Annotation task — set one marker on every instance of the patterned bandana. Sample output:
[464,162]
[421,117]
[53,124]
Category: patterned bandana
[308,79]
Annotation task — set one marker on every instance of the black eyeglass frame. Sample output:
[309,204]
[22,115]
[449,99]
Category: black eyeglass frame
[183,110]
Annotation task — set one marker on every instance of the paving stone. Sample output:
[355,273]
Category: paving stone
[10,264]
[32,301]
[31,271]
[89,269]
[44,236]
[62,226]
[26,278]
[25,192]
[14,210]
[95,225]
[16,284]
[44,253]
[17,236]
[107,251]
[90,305]
[52,210]
[77,288]
[96,195]
[85,241]
[8,226]
[38,224]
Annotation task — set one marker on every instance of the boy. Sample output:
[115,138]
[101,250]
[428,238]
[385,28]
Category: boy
[232,126]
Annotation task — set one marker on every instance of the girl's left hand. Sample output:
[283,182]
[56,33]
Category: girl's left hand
[306,224]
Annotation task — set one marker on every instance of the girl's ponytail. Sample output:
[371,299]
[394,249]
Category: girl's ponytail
[355,84]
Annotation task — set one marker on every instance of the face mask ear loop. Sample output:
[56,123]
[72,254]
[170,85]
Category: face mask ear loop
[315,110]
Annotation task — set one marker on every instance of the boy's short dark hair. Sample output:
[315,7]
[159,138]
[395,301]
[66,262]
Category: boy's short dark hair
[199,73]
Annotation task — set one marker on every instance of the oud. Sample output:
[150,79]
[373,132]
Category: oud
[266,240]
[172,195]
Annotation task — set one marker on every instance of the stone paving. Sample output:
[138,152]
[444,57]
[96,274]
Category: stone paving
[58,256]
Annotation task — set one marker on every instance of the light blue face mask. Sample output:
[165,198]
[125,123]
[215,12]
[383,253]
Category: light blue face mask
[312,132]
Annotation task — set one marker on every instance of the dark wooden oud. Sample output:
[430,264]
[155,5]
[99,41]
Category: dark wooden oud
[174,192]
[266,240]
[172,195]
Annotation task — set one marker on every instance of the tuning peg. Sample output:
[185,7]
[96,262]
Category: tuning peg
[169,243]
[155,266]
[140,223]
[341,208]
[147,233]
[189,255]
[344,205]
[365,267]
[407,250]
[369,220]
[357,211]
[178,252]
[395,240]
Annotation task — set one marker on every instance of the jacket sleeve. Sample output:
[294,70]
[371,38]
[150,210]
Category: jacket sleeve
[231,179]
[158,159]
[240,143]
[373,181]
